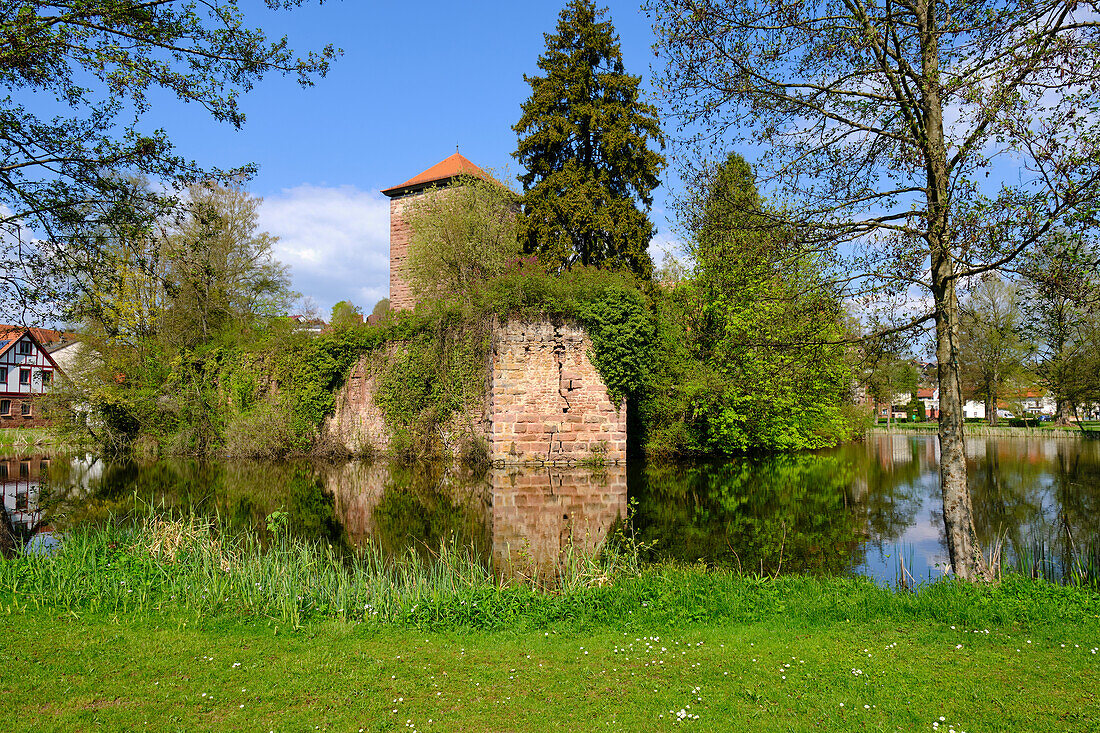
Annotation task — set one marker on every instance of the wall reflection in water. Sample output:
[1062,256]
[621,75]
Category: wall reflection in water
[524,521]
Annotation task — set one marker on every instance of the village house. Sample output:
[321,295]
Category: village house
[26,370]
[930,398]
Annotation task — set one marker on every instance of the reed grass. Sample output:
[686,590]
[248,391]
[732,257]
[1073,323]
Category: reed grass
[189,566]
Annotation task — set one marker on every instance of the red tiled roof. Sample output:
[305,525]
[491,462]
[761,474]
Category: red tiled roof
[9,335]
[444,170]
[45,336]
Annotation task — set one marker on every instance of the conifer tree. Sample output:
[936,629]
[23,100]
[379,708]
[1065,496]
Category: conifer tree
[585,139]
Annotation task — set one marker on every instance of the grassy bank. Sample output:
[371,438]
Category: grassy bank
[162,673]
[187,567]
[27,439]
[173,626]
[1090,429]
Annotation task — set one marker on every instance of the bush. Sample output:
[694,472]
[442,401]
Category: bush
[264,431]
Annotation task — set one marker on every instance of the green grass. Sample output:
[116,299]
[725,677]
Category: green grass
[187,567]
[163,673]
[23,439]
[169,625]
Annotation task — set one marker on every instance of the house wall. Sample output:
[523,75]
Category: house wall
[15,393]
[973,408]
[544,402]
[35,363]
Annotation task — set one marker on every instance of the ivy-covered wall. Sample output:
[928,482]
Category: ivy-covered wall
[526,393]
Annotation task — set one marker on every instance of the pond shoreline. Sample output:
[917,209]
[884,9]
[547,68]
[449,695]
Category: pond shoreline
[984,431]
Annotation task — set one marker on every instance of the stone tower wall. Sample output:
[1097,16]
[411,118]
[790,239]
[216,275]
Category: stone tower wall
[401,296]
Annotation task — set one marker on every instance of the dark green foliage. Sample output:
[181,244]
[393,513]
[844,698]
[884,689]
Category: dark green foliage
[621,328]
[585,139]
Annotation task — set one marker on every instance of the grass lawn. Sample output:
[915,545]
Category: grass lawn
[154,672]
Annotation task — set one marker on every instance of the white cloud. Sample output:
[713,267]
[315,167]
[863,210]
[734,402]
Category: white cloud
[662,244]
[335,241]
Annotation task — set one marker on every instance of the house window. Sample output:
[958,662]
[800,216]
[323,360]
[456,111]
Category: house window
[3,374]
[25,409]
[5,407]
[47,375]
[24,469]
[22,500]
[24,348]
[24,376]
[3,470]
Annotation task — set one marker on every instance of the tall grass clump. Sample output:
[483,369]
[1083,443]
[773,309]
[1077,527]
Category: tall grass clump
[190,564]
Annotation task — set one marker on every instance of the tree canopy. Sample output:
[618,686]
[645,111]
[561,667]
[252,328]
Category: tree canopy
[585,138]
[460,236]
[879,125]
[761,333]
[73,147]
[993,349]
[1061,296]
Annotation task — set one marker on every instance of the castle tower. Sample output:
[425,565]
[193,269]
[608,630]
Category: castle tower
[438,176]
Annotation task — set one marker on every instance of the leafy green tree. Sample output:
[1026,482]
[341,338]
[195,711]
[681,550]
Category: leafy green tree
[460,236]
[880,124]
[1060,295]
[763,319]
[105,62]
[381,308]
[345,315]
[221,272]
[992,347]
[889,375]
[585,139]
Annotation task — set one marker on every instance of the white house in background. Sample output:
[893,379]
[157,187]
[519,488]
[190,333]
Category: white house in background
[973,408]
[26,370]
[1035,402]
[66,355]
[930,398]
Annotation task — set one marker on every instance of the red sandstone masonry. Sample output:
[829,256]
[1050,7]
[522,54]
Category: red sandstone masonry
[547,402]
[401,296]
[544,404]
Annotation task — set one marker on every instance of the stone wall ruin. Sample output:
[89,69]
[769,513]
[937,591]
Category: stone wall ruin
[544,402]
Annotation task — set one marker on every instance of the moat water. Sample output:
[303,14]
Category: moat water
[861,509]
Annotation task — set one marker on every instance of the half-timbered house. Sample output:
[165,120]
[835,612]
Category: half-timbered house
[26,371]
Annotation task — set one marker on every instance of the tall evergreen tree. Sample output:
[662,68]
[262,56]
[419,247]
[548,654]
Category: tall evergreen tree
[585,139]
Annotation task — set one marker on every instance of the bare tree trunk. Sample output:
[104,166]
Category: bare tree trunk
[963,548]
[1060,417]
[7,533]
[991,411]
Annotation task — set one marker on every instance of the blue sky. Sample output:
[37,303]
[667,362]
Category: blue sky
[415,80]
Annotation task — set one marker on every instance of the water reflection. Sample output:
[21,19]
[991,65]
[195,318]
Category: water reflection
[859,509]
